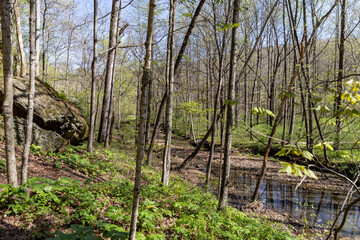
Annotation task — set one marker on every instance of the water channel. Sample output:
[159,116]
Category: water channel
[315,208]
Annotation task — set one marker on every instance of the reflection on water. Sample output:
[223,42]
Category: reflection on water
[315,207]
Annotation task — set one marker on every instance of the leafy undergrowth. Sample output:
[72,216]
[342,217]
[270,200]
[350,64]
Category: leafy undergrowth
[100,207]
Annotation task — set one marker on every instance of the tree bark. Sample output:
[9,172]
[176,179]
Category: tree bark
[30,114]
[93,80]
[193,154]
[302,49]
[339,87]
[176,69]
[37,42]
[156,129]
[6,24]
[230,109]
[105,113]
[44,48]
[199,145]
[142,117]
[108,124]
[221,53]
[169,89]
[20,39]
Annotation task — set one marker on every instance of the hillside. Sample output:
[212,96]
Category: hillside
[83,194]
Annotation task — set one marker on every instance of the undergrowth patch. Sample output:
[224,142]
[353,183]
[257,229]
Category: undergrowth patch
[96,209]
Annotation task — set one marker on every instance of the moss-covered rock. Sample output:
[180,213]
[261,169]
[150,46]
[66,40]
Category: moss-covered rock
[51,113]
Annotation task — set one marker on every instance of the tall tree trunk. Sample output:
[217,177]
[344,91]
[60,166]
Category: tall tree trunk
[37,42]
[214,121]
[30,114]
[44,41]
[148,113]
[6,24]
[253,95]
[119,105]
[105,111]
[309,119]
[230,109]
[142,117]
[285,70]
[222,130]
[156,129]
[108,124]
[169,89]
[93,80]
[197,149]
[20,39]
[246,80]
[176,68]
[339,86]
[221,52]
[302,48]
[68,61]
[276,123]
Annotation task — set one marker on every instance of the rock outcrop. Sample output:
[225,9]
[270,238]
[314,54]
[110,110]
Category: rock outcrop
[57,122]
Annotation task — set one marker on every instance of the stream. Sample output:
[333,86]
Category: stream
[315,208]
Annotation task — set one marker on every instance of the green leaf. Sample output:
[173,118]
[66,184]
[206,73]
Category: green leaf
[319,146]
[327,145]
[48,188]
[307,155]
[297,172]
[295,152]
[261,111]
[287,168]
[282,152]
[5,186]
[312,174]
[267,111]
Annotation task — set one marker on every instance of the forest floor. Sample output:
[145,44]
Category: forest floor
[246,162]
[13,226]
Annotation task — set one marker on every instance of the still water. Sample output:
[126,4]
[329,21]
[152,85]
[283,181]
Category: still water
[316,208]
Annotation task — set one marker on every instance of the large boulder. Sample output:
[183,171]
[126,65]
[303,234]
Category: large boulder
[57,121]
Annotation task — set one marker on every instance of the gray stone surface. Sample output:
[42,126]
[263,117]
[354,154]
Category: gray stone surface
[57,121]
